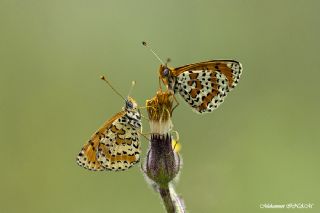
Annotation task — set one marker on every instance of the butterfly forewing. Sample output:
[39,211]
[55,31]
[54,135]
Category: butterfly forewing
[204,85]
[115,146]
[87,157]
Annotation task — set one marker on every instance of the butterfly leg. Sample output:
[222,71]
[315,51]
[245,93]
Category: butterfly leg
[142,116]
[142,107]
[145,107]
[160,85]
[145,135]
[177,103]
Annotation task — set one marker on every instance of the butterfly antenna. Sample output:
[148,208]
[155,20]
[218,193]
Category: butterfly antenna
[104,79]
[167,61]
[145,44]
[132,85]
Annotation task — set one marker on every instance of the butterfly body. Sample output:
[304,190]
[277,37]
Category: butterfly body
[116,144]
[202,85]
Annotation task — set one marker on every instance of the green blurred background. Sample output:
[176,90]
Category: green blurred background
[260,146]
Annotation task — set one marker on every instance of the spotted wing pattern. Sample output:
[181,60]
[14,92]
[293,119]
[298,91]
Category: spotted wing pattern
[115,146]
[120,149]
[205,85]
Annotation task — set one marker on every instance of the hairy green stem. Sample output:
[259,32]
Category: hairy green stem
[167,200]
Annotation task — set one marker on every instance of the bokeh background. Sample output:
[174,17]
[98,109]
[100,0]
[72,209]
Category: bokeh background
[260,146]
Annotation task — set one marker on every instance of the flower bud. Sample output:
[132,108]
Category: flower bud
[162,163]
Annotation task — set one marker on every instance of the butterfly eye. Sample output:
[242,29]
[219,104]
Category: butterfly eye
[166,72]
[129,104]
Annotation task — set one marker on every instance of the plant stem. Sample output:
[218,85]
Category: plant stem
[166,197]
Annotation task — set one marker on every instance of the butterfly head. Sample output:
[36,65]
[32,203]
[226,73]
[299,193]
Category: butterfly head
[166,75]
[131,104]
[164,71]
[133,113]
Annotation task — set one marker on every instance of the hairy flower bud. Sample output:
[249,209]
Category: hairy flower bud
[162,163]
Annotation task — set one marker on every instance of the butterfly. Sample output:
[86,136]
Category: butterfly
[203,85]
[116,144]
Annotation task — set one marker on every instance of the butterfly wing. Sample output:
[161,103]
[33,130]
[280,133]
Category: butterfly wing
[204,85]
[87,158]
[120,148]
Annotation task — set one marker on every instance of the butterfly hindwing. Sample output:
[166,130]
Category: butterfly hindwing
[202,91]
[204,85]
[120,149]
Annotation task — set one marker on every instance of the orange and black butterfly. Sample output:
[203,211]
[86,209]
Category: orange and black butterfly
[202,85]
[116,144]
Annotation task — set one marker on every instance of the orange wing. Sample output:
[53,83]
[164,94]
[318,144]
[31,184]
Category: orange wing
[119,150]
[205,85]
[226,67]
[87,158]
